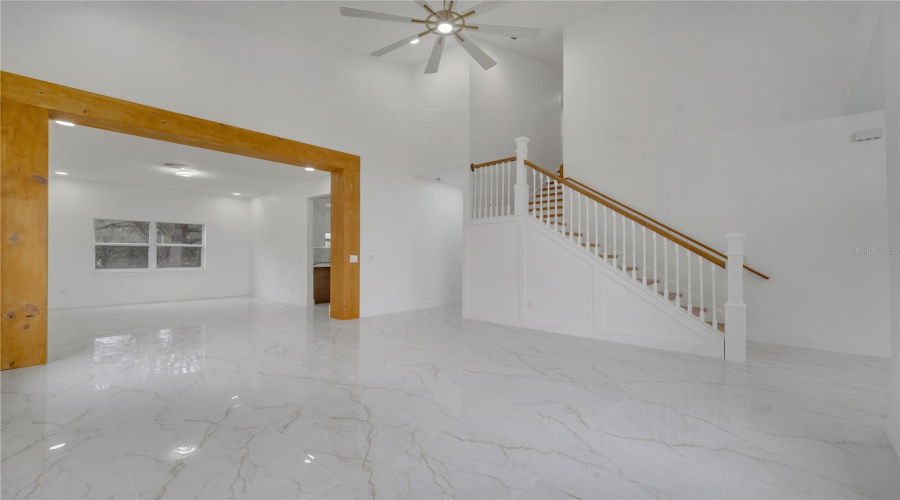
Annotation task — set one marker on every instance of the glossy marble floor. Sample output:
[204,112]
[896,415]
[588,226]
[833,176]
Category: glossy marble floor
[255,399]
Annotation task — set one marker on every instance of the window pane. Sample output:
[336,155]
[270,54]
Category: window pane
[114,257]
[121,231]
[180,234]
[179,256]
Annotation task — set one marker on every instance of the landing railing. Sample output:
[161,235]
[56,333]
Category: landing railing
[692,277]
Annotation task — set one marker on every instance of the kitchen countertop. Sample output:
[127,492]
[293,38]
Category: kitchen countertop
[324,264]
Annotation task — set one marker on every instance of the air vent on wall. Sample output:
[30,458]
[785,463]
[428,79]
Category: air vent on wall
[868,135]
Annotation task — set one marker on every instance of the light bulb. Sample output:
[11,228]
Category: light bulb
[63,123]
[445,27]
[414,41]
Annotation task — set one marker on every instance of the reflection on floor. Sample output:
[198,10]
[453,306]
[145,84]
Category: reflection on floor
[255,399]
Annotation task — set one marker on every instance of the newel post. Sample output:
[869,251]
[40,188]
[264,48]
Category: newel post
[735,308]
[521,179]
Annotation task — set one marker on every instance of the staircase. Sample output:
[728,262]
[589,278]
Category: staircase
[691,295]
[546,205]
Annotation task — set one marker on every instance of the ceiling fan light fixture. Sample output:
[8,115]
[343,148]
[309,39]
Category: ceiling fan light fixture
[445,27]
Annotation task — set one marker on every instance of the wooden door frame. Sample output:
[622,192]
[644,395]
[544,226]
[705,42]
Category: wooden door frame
[26,106]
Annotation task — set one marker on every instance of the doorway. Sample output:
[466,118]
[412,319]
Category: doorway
[320,238]
[28,105]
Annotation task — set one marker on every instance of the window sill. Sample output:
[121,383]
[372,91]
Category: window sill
[147,272]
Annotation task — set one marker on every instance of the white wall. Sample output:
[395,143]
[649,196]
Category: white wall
[686,112]
[147,53]
[891,30]
[279,250]
[73,282]
[517,97]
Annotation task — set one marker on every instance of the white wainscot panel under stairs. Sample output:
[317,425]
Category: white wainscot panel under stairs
[519,272]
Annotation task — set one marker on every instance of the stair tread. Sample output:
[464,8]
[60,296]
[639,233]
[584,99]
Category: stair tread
[720,326]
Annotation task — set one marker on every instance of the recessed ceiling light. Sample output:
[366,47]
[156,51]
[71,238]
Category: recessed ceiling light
[61,173]
[414,41]
[184,172]
[236,194]
[57,446]
[310,169]
[64,123]
[445,27]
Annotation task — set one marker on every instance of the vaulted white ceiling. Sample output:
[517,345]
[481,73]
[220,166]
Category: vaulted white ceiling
[97,155]
[321,22]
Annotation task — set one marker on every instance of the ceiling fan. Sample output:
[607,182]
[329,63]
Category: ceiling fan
[447,23]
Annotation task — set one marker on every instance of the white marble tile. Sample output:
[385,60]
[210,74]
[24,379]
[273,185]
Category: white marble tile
[233,455]
[378,454]
[250,398]
[553,444]
[67,462]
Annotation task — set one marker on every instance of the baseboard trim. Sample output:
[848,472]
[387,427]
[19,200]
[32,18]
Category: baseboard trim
[698,348]
[380,311]
[845,346]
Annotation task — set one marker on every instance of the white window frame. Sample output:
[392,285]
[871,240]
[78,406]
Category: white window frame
[152,245]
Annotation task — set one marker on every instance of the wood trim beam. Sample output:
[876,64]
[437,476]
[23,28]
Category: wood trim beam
[27,104]
[23,229]
[117,115]
[345,244]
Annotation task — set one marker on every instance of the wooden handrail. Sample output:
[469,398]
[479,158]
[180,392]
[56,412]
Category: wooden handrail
[668,228]
[488,164]
[715,259]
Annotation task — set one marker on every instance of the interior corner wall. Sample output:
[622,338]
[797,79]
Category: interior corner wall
[703,128]
[280,261]
[72,280]
[891,30]
[280,86]
[518,97]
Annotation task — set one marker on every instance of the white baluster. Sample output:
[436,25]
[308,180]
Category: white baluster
[633,252]
[605,256]
[615,243]
[666,268]
[596,229]
[712,275]
[578,198]
[495,190]
[677,277]
[690,291]
[655,266]
[624,246]
[475,194]
[509,188]
[484,191]
[572,214]
[700,314]
[504,191]
[644,246]
[534,207]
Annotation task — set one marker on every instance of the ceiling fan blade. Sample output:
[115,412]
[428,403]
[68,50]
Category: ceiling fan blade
[487,6]
[371,14]
[475,51]
[435,60]
[394,46]
[504,30]
[424,5]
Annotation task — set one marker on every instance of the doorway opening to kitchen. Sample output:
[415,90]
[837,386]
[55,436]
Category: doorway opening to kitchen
[319,228]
